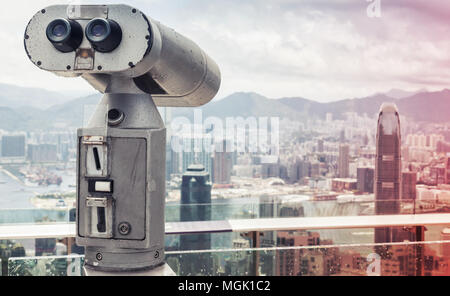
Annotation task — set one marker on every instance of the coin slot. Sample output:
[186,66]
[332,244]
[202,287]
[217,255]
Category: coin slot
[101,222]
[97,159]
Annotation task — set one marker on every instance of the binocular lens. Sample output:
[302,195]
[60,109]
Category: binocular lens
[98,30]
[59,30]
[105,35]
[65,35]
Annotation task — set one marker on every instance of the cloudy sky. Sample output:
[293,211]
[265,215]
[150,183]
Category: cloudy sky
[317,49]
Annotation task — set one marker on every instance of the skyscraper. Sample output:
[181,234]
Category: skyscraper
[344,161]
[42,152]
[447,170]
[223,163]
[196,149]
[409,180]
[172,157]
[13,146]
[195,206]
[320,146]
[388,161]
[342,136]
[388,181]
[365,178]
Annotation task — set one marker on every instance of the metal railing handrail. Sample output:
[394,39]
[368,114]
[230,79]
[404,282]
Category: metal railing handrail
[58,230]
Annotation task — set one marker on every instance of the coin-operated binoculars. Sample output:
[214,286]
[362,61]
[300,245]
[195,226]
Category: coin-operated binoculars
[138,64]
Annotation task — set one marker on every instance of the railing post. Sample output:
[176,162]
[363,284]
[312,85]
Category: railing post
[420,237]
[5,266]
[255,244]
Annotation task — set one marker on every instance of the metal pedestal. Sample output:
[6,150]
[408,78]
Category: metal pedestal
[162,270]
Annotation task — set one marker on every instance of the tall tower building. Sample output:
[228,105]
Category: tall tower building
[365,178]
[388,184]
[342,136]
[223,164]
[447,169]
[409,180]
[195,206]
[388,161]
[344,161]
[320,145]
[197,150]
[13,146]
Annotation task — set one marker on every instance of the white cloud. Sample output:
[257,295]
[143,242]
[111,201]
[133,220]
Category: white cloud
[324,50]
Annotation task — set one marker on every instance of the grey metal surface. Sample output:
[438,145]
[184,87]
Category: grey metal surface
[133,48]
[124,144]
[185,74]
[162,270]
[136,164]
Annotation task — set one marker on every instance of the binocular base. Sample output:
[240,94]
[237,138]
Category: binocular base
[162,270]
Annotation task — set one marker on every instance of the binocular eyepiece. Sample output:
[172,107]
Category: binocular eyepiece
[66,36]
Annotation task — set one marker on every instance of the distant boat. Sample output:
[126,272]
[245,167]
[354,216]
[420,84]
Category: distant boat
[60,203]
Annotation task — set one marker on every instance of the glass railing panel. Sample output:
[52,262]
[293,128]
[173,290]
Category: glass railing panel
[279,207]
[393,259]
[33,216]
[251,208]
[37,247]
[386,259]
[46,266]
[323,236]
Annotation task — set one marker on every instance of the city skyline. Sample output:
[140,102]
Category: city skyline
[310,138]
[305,176]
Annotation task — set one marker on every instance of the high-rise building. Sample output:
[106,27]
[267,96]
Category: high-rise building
[42,153]
[238,263]
[405,154]
[195,206]
[342,138]
[387,173]
[223,164]
[197,150]
[447,170]
[196,190]
[315,169]
[320,146]
[293,174]
[13,146]
[270,166]
[344,161]
[445,250]
[289,262]
[365,178]
[304,168]
[409,180]
[388,161]
[442,147]
[388,181]
[437,175]
[172,157]
[269,207]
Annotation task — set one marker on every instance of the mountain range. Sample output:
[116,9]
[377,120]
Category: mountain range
[36,109]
